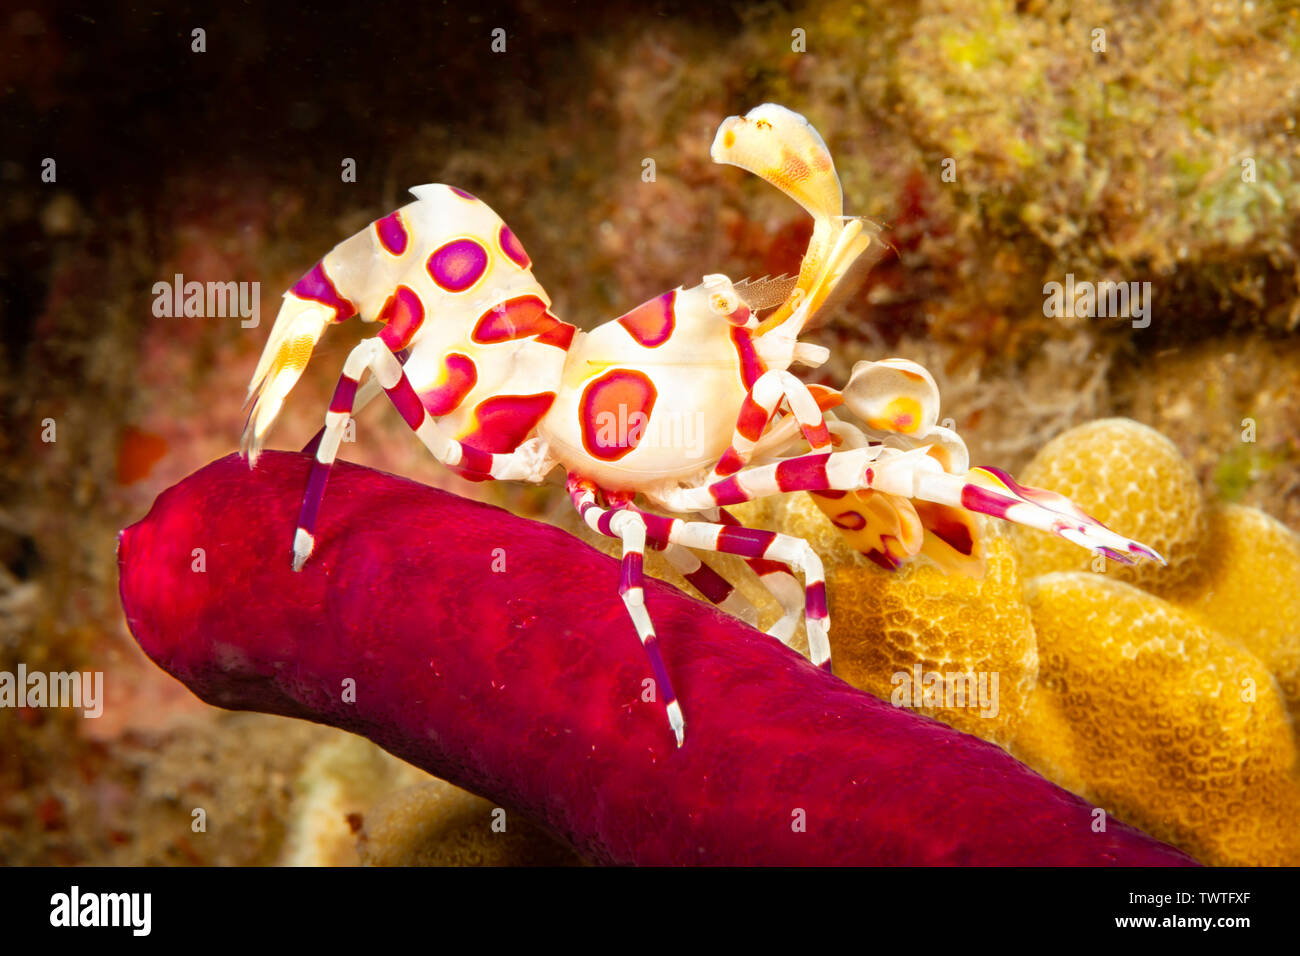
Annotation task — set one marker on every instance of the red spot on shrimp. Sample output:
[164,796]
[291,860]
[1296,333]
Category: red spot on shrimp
[974,498]
[560,334]
[502,422]
[520,318]
[947,524]
[762,566]
[746,542]
[614,411]
[407,403]
[651,323]
[457,265]
[818,435]
[750,365]
[826,398]
[1039,496]
[516,318]
[345,393]
[392,233]
[632,574]
[849,521]
[740,315]
[512,247]
[316,286]
[657,528]
[730,462]
[403,314]
[456,381]
[710,583]
[728,491]
[752,420]
[475,464]
[816,600]
[806,473]
[881,559]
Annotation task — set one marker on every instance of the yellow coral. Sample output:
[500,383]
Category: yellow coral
[437,824]
[1132,479]
[884,624]
[1160,720]
[1250,591]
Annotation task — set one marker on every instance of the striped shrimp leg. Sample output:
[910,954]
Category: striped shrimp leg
[715,589]
[763,545]
[780,583]
[628,526]
[916,474]
[761,403]
[527,463]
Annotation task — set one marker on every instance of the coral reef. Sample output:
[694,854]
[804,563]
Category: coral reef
[885,623]
[436,824]
[1251,591]
[1172,703]
[1127,476]
[536,700]
[1162,721]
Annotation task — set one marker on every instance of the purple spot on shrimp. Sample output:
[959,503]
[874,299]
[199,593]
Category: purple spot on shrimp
[392,233]
[658,529]
[407,403]
[849,521]
[816,601]
[710,583]
[512,247]
[462,194]
[1117,556]
[975,498]
[651,645]
[345,394]
[457,265]
[651,323]
[631,576]
[746,542]
[317,287]
[320,473]
[728,491]
[805,473]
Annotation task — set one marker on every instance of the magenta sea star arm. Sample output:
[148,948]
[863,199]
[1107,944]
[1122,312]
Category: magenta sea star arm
[493,652]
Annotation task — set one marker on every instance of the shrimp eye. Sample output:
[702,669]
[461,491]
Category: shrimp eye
[724,303]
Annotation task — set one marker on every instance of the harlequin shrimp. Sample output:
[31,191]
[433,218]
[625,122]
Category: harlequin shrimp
[498,387]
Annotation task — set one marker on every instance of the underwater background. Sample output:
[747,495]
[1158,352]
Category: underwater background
[1004,145]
